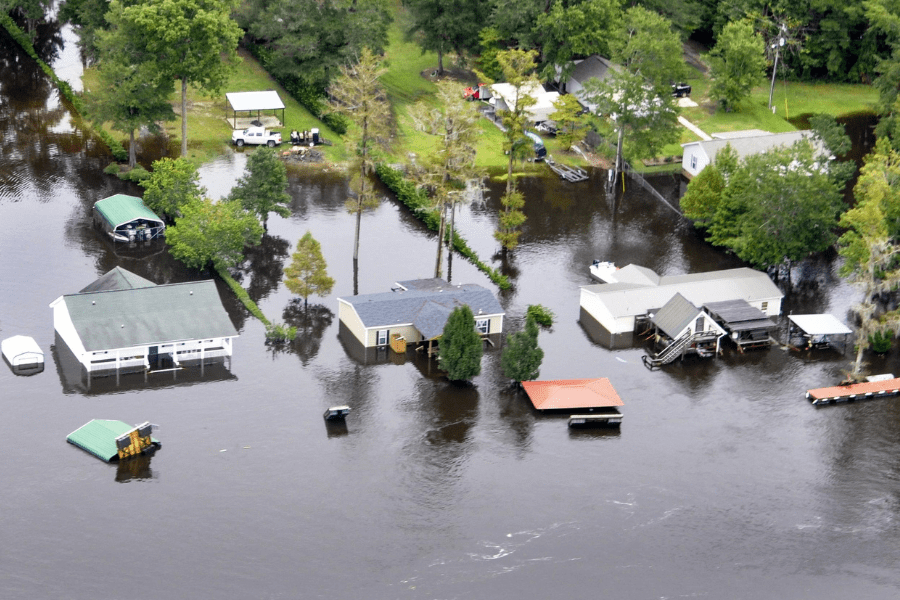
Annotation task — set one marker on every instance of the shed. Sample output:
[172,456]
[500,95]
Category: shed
[253,102]
[746,325]
[818,331]
[22,351]
[110,440]
[567,394]
[127,219]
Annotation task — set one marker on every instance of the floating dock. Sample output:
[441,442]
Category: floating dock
[857,391]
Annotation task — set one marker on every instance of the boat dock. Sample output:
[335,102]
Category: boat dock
[573,174]
[856,391]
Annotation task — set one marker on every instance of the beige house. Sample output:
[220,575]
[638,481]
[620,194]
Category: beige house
[417,311]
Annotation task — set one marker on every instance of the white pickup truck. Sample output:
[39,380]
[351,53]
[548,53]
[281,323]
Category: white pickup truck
[256,136]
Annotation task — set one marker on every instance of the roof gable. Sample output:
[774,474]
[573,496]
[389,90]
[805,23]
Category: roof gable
[117,278]
[149,315]
[675,315]
[594,66]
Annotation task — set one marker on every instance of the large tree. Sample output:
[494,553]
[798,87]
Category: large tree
[570,30]
[517,67]
[308,273]
[638,96]
[173,184]
[194,41]
[449,172]
[521,359]
[262,188]
[357,94]
[570,121]
[460,346]
[737,63]
[444,26]
[213,234]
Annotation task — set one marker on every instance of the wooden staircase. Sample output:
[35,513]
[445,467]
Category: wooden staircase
[675,349]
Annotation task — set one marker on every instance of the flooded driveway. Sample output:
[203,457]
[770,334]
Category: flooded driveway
[722,483]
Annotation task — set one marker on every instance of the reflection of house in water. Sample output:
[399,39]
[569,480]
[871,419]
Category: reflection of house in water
[610,312]
[412,314]
[124,323]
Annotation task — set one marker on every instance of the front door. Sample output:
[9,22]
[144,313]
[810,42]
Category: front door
[153,356]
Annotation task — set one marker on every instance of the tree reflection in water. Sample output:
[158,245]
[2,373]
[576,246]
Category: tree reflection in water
[311,324]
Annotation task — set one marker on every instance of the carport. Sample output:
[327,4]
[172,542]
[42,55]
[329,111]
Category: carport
[248,103]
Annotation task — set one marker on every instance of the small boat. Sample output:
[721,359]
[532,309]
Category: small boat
[604,271]
[336,413]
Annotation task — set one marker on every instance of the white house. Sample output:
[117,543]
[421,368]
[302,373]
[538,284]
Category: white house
[417,310]
[503,97]
[697,155]
[639,291]
[123,321]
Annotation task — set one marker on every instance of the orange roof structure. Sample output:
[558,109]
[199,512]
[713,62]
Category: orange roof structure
[572,393]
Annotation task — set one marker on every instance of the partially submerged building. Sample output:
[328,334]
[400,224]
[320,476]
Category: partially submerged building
[416,312]
[125,322]
[127,219]
[638,293]
[114,440]
[681,328]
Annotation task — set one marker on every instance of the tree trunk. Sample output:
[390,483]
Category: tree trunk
[358,223]
[440,53]
[132,155]
[619,160]
[184,84]
[857,366]
[440,246]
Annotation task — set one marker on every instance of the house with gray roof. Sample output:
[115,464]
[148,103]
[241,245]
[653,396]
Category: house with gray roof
[592,67]
[417,311]
[697,155]
[123,321]
[616,306]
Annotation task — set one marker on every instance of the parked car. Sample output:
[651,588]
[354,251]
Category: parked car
[256,136]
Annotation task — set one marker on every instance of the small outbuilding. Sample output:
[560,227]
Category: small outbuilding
[113,440]
[127,219]
[818,331]
[251,105]
[23,354]
[747,326]
[568,394]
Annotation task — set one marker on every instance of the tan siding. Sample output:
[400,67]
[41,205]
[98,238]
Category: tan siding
[347,315]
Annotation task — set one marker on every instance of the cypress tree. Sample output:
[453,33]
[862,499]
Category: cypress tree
[521,360]
[461,346]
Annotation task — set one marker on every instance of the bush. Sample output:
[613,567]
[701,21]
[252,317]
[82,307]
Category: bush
[279,333]
[112,169]
[881,341]
[136,175]
[542,315]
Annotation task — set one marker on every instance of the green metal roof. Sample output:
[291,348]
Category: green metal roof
[99,437]
[147,316]
[121,209]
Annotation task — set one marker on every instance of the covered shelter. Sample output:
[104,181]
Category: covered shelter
[127,219]
[112,440]
[747,326]
[818,331]
[23,354]
[250,103]
[568,394]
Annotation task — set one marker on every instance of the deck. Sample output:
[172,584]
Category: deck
[857,391]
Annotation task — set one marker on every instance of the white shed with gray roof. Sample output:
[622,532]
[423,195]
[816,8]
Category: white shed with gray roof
[616,305]
[417,310]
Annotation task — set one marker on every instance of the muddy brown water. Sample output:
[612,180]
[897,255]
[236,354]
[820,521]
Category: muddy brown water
[723,481]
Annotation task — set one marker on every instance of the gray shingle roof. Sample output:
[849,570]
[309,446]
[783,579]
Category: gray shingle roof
[737,315]
[593,66]
[426,304]
[149,315]
[117,279]
[747,146]
[675,315]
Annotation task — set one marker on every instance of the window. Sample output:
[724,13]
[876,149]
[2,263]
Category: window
[701,324]
[764,306]
[381,337]
[483,325]
[693,161]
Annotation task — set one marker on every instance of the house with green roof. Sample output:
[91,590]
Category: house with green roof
[125,322]
[127,219]
[417,311]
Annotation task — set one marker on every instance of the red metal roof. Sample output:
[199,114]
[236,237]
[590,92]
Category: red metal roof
[572,393]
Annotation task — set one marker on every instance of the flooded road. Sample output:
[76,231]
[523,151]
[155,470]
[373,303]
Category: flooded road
[722,483]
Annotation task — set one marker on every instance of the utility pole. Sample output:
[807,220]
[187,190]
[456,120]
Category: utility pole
[776,46]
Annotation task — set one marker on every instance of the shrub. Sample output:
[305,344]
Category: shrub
[136,175]
[542,315]
[112,169]
[881,341]
[280,333]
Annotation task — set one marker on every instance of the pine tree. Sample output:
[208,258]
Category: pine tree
[521,360]
[461,346]
[307,273]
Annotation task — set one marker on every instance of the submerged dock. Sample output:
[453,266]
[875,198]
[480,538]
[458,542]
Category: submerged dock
[573,174]
[856,391]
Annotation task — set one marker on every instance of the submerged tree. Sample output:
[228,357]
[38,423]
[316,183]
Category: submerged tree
[261,190]
[307,273]
[460,346]
[358,95]
[213,233]
[450,170]
[173,184]
[518,71]
[521,359]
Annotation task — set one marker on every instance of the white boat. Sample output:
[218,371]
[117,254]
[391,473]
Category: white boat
[604,271]
[23,355]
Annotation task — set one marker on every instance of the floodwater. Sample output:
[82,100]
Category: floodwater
[724,482]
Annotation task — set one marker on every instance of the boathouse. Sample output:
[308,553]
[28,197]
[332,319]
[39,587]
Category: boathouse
[251,105]
[127,219]
[638,291]
[747,326]
[125,322]
[113,440]
[697,155]
[417,311]
[818,331]
[681,328]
